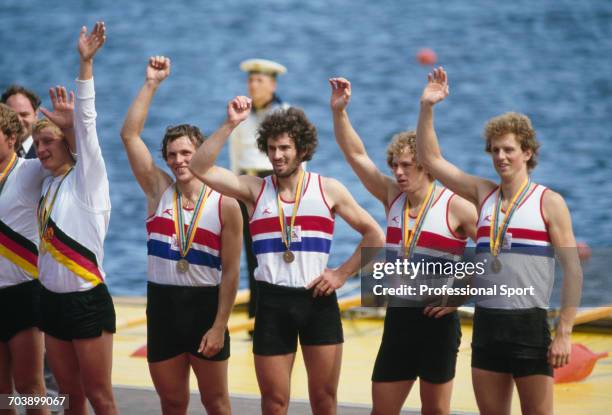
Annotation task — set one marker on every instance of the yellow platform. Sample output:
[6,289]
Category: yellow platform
[362,338]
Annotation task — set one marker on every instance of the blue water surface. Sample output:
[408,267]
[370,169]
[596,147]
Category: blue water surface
[550,59]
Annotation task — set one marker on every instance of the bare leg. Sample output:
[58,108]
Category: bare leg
[323,368]
[436,398]
[171,380]
[536,394]
[212,383]
[65,366]
[274,379]
[493,391]
[27,351]
[389,397]
[6,383]
[95,358]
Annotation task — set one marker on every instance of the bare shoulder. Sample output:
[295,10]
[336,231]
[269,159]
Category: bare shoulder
[253,183]
[461,206]
[393,191]
[462,216]
[231,216]
[229,205]
[485,188]
[550,197]
[333,189]
[553,205]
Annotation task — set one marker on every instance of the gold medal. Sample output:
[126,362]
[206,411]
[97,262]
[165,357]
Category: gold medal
[182,265]
[49,234]
[45,231]
[288,257]
[496,265]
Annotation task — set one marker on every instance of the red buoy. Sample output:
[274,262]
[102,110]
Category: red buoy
[140,352]
[584,251]
[426,56]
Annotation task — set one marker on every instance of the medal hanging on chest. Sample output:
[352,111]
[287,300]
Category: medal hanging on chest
[497,233]
[185,239]
[287,231]
[411,236]
[43,213]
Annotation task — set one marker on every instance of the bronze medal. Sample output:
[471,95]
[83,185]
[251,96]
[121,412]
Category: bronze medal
[182,265]
[496,265]
[183,240]
[288,256]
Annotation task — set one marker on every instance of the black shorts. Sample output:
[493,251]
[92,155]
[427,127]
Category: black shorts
[511,341]
[19,308]
[77,315]
[414,345]
[286,313]
[177,318]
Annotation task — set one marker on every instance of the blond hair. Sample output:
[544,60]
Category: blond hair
[519,125]
[400,142]
[46,123]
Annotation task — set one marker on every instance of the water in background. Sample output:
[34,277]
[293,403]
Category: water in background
[549,59]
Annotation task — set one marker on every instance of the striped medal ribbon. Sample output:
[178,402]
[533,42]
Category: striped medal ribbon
[43,213]
[411,236]
[7,171]
[496,236]
[287,231]
[185,240]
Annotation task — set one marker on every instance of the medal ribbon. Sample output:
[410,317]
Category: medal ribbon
[285,230]
[185,241]
[43,213]
[412,235]
[7,171]
[495,235]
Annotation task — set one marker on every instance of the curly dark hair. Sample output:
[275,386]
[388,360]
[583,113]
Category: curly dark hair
[18,89]
[294,122]
[10,124]
[177,131]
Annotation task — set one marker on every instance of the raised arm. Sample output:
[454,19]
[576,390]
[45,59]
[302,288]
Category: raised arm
[91,178]
[152,180]
[562,238]
[352,147]
[342,203]
[469,187]
[62,114]
[202,163]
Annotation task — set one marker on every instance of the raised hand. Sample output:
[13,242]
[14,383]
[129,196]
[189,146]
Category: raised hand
[63,108]
[238,109]
[158,68]
[90,43]
[341,93]
[437,87]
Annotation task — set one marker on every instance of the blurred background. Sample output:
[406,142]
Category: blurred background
[551,60]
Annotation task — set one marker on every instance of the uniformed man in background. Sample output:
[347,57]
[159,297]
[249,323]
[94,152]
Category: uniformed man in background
[245,157]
